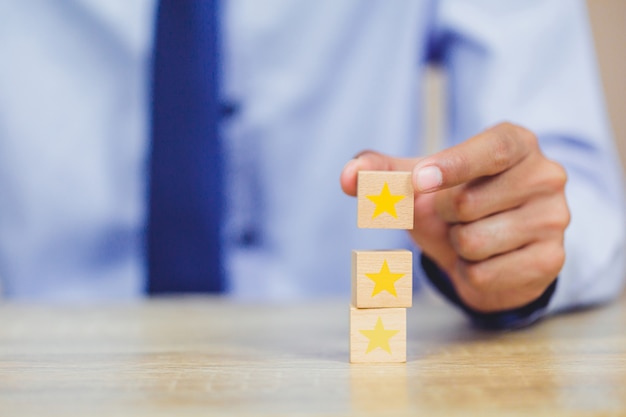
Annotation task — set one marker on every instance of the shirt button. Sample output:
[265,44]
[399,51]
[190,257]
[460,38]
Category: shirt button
[229,109]
[249,238]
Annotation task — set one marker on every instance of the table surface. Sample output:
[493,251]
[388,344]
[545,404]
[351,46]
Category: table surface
[212,356]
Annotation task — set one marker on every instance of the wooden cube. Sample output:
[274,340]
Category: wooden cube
[377,335]
[382,278]
[385,200]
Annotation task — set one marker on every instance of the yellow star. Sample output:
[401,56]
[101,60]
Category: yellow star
[379,337]
[385,280]
[385,202]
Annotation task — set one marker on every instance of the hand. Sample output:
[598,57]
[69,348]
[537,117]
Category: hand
[490,212]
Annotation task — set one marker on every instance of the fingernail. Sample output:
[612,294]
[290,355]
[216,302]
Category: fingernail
[428,178]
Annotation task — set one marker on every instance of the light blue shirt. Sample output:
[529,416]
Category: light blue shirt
[316,82]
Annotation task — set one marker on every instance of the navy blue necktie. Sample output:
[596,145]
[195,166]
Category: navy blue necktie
[186,165]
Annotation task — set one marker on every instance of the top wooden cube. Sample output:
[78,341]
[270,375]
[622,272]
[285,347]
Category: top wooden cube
[385,200]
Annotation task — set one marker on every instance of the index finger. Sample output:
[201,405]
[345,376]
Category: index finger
[371,161]
[488,153]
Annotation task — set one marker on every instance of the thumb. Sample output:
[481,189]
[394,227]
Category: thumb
[372,161]
[489,153]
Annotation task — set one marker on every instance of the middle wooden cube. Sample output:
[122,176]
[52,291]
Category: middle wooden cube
[382,278]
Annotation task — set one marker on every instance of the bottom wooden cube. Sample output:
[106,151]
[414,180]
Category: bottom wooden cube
[377,335]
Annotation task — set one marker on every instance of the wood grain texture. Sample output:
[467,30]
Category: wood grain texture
[382,278]
[385,187]
[214,357]
[377,335]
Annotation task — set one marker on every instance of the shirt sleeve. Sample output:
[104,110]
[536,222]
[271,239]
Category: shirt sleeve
[532,63]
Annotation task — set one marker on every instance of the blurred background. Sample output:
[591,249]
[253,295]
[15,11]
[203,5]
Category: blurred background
[608,21]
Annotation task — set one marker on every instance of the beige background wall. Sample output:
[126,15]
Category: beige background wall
[608,21]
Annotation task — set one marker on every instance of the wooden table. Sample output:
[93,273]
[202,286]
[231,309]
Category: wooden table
[210,356]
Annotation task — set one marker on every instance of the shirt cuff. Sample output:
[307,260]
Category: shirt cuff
[506,319]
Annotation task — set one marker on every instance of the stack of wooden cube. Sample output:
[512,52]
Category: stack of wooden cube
[382,280]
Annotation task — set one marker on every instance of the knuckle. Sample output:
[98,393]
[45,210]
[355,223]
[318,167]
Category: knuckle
[564,218]
[557,213]
[466,242]
[504,149]
[567,217]
[528,138]
[556,177]
[510,139]
[560,217]
[477,277]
